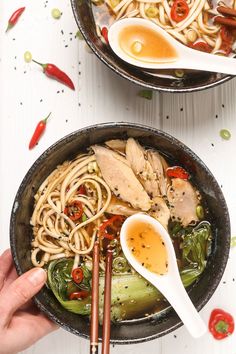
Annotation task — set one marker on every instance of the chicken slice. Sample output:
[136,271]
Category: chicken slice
[119,207]
[160,211]
[183,201]
[117,145]
[120,178]
[135,154]
[155,161]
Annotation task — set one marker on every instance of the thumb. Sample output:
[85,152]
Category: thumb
[19,292]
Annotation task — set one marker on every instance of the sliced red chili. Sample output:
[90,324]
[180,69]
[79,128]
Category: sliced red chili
[179,10]
[77,275]
[104,32]
[74,210]
[177,172]
[79,295]
[111,227]
[221,324]
[201,46]
[82,190]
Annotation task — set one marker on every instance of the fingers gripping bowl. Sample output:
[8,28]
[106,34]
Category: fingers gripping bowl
[142,328]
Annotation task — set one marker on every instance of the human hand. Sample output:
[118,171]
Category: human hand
[21,323]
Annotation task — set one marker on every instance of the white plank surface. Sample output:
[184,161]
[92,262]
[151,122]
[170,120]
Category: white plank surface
[101,96]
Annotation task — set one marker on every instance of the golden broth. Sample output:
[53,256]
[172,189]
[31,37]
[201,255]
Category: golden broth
[147,247]
[145,44]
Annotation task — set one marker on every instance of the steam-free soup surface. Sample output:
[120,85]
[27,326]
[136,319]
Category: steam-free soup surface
[147,247]
[145,44]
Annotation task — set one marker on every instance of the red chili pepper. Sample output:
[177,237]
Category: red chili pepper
[227,40]
[79,295]
[226,47]
[82,190]
[179,10]
[221,324]
[74,210]
[110,228]
[177,172]
[104,32]
[201,46]
[14,18]
[54,72]
[226,34]
[39,130]
[77,275]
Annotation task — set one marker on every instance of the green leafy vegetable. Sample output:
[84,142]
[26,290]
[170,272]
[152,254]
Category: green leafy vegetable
[127,292]
[195,247]
[131,294]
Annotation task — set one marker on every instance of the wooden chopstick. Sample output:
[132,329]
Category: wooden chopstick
[95,301]
[106,331]
[227,11]
[227,18]
[226,21]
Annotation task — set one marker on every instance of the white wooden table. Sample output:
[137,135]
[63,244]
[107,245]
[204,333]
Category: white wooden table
[26,96]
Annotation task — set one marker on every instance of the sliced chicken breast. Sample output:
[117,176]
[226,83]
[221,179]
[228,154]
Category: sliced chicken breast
[137,158]
[160,211]
[117,145]
[155,161]
[183,201]
[118,207]
[120,178]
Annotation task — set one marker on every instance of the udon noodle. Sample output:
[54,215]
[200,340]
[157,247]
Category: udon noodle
[55,234]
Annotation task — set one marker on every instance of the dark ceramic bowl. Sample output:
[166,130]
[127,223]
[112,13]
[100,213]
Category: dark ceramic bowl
[192,81]
[67,148]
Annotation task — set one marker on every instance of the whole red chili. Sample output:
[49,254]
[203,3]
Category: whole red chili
[79,295]
[179,10]
[54,72]
[104,32]
[77,275]
[39,130]
[177,172]
[221,324]
[14,18]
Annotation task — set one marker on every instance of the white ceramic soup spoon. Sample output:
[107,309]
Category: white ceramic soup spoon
[169,283]
[182,57]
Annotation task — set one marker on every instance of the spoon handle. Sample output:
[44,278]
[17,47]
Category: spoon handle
[185,309]
[196,60]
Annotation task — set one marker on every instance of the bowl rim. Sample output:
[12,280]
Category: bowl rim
[123,125]
[137,81]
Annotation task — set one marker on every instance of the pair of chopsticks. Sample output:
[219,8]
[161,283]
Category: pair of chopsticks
[227,18]
[95,302]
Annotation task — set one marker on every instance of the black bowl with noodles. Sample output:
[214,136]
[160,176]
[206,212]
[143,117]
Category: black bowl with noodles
[66,149]
[164,80]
